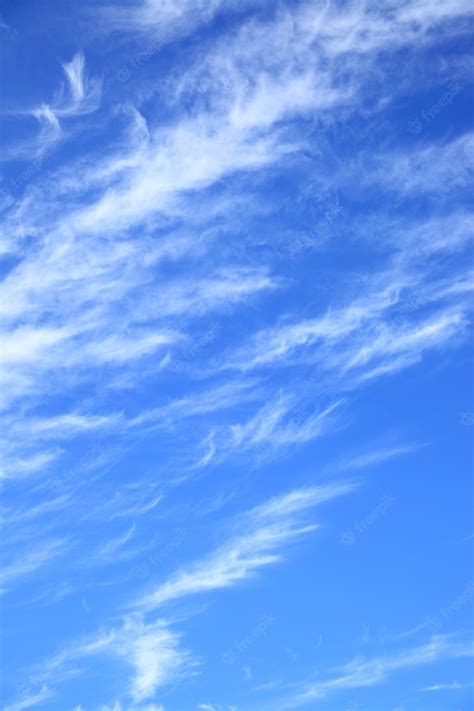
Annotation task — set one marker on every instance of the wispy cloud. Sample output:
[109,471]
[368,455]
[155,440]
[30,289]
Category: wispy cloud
[278,424]
[112,546]
[30,700]
[19,466]
[84,92]
[286,173]
[453,686]
[360,341]
[31,561]
[361,673]
[152,649]
[162,22]
[78,96]
[152,652]
[377,456]
[267,528]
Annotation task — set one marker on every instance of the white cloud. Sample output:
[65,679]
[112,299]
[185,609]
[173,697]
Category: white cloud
[110,547]
[361,673]
[376,456]
[154,653]
[362,340]
[278,424]
[152,649]
[79,96]
[65,426]
[267,528]
[84,92]
[31,561]
[162,22]
[14,465]
[119,707]
[454,686]
[113,261]
[29,700]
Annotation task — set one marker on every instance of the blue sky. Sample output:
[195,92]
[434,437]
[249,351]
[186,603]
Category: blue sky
[236,367]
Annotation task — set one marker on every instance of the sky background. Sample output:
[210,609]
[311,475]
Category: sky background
[236,364]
